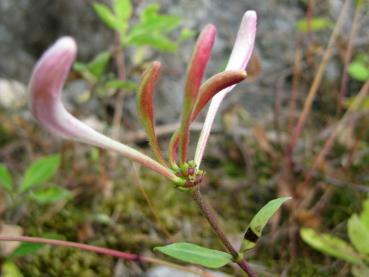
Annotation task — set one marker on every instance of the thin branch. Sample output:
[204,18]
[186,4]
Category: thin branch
[211,217]
[102,250]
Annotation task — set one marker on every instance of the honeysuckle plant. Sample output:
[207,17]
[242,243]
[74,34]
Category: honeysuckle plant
[47,81]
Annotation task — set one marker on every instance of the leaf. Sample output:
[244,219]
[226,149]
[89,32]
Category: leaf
[358,70]
[39,172]
[185,34]
[364,215]
[119,84]
[149,12]
[330,245]
[107,17]
[195,254]
[258,222]
[314,24]
[358,234]
[27,248]
[157,41]
[98,65]
[123,9]
[5,178]
[50,195]
[10,269]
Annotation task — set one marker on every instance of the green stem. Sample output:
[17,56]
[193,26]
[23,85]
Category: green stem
[211,217]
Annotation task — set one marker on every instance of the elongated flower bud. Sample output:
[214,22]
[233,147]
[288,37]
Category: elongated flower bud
[144,107]
[239,59]
[210,88]
[195,72]
[46,83]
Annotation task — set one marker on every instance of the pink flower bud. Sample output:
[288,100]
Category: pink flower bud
[46,84]
[239,59]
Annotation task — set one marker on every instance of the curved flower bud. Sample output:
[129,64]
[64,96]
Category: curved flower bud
[208,89]
[144,107]
[46,83]
[195,72]
[239,59]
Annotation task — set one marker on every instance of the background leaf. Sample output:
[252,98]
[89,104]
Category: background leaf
[122,9]
[5,178]
[27,248]
[358,234]
[10,269]
[259,221]
[315,24]
[50,195]
[330,245]
[195,254]
[98,65]
[107,17]
[360,271]
[358,70]
[39,172]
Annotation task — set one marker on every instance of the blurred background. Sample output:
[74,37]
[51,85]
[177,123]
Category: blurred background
[304,49]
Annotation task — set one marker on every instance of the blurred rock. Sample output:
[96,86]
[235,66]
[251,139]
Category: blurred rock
[13,94]
[7,247]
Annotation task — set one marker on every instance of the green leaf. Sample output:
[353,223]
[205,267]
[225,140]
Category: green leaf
[5,178]
[39,172]
[9,269]
[50,195]
[330,245]
[195,254]
[119,84]
[358,234]
[123,9]
[98,65]
[185,34]
[107,17]
[27,248]
[364,215]
[258,222]
[315,24]
[359,70]
[157,41]
[149,12]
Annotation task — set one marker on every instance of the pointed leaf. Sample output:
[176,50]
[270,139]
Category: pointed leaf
[258,222]
[39,172]
[330,245]
[5,178]
[195,72]
[50,195]
[214,85]
[144,107]
[107,17]
[98,65]
[358,234]
[195,254]
[123,9]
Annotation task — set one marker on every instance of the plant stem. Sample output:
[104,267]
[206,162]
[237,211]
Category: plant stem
[316,84]
[102,250]
[211,217]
